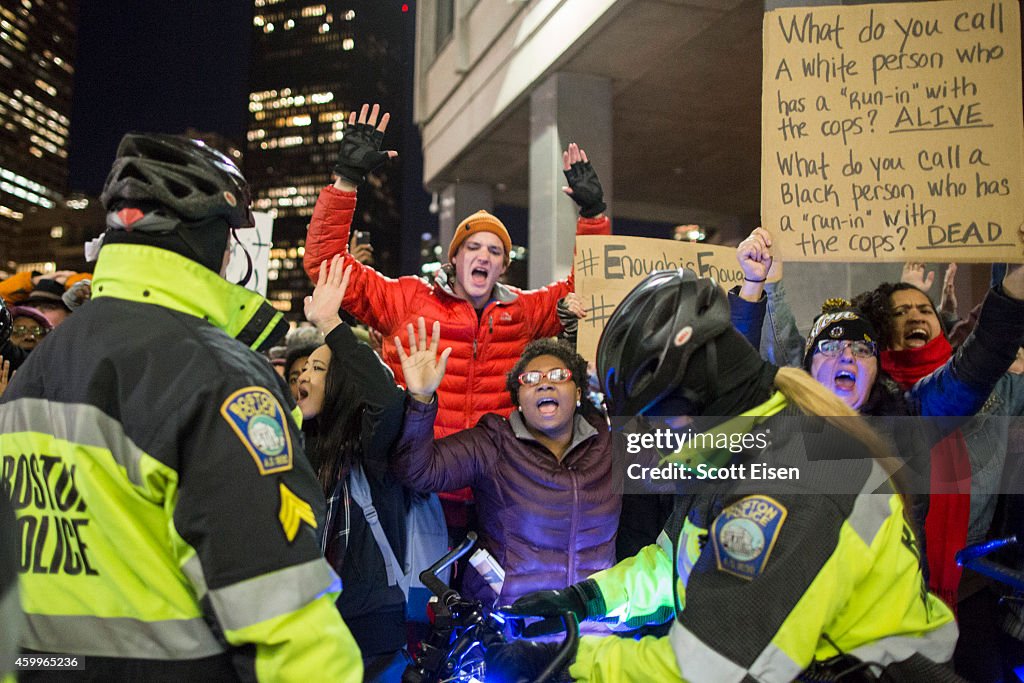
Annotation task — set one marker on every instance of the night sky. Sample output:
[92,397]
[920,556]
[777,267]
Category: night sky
[155,67]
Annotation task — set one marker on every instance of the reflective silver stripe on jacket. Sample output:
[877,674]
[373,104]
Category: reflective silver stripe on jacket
[937,645]
[264,597]
[870,512]
[78,423]
[698,661]
[120,637]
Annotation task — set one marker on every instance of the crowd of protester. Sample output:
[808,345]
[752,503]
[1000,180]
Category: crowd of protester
[243,472]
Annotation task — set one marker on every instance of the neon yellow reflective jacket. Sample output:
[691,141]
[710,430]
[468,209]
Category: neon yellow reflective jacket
[167,513]
[762,585]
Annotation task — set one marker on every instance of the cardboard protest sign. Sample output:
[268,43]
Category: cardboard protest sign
[257,242]
[608,267]
[892,132]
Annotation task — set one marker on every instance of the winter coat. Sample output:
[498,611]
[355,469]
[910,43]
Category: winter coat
[484,347]
[373,610]
[188,507]
[764,579]
[549,524]
[973,383]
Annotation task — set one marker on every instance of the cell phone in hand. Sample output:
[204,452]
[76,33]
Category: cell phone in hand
[362,236]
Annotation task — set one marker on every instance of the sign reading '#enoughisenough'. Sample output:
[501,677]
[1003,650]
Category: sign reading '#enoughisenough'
[608,267]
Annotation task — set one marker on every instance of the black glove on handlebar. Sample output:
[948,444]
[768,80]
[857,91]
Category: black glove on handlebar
[583,599]
[360,152]
[586,188]
[521,661]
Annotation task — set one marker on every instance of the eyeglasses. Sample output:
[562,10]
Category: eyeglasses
[557,375]
[835,347]
[24,330]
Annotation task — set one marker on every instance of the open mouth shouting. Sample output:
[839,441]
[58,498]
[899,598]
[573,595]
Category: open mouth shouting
[850,379]
[547,406]
[845,381]
[916,336]
[479,276]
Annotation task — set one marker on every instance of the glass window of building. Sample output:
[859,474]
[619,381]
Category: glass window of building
[445,23]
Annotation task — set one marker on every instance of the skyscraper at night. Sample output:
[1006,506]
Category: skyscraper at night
[312,65]
[37,48]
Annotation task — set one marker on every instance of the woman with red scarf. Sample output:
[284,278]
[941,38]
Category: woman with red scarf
[967,464]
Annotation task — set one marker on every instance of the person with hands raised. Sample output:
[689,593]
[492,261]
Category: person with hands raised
[584,186]
[422,367]
[918,275]
[486,323]
[543,478]
[885,354]
[916,353]
[360,152]
[352,413]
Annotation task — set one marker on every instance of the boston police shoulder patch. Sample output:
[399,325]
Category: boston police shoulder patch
[259,421]
[745,533]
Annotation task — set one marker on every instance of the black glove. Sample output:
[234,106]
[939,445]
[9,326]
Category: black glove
[586,188]
[577,598]
[360,152]
[521,661]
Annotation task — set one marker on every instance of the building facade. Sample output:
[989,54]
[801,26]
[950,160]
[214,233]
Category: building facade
[312,64]
[37,49]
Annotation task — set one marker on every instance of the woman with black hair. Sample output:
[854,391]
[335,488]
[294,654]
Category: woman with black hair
[975,456]
[543,478]
[352,413]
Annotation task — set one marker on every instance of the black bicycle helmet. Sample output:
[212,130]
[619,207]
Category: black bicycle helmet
[190,179]
[6,322]
[650,338]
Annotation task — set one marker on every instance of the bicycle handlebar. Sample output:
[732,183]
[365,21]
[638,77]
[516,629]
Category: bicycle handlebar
[979,550]
[567,650]
[974,557]
[450,599]
[429,578]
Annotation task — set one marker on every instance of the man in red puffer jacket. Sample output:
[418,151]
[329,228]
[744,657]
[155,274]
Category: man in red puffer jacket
[486,323]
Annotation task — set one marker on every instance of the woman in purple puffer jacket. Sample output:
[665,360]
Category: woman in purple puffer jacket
[546,488]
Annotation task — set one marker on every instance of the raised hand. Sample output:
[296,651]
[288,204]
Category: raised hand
[584,186]
[360,252]
[917,274]
[360,147]
[322,307]
[758,263]
[572,303]
[948,303]
[422,368]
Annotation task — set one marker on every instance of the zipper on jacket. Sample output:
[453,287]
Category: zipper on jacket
[470,398]
[490,323]
[573,524]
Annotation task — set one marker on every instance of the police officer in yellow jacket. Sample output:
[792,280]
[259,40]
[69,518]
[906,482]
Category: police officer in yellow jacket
[167,514]
[809,577]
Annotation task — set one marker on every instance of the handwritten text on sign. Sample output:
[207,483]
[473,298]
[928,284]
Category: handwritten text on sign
[893,131]
[609,267]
